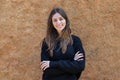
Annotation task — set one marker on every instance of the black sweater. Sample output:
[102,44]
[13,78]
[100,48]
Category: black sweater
[63,66]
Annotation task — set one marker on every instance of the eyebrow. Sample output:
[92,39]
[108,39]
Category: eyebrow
[58,17]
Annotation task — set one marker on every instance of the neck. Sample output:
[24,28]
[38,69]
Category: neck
[59,32]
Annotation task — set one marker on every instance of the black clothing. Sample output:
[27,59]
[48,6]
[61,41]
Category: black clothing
[63,66]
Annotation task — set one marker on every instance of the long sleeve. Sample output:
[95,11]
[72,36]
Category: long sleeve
[44,52]
[69,66]
[72,66]
[46,56]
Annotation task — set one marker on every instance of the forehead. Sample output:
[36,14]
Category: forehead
[57,15]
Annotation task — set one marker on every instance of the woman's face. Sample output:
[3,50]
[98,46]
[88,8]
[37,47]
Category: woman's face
[59,22]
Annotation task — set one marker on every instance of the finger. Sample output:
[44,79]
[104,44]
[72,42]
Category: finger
[80,59]
[80,55]
[43,62]
[77,52]
[43,65]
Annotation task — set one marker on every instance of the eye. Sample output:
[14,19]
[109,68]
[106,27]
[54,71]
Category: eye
[60,19]
[54,20]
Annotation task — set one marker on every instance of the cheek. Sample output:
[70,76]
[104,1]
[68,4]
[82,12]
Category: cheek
[64,23]
[53,23]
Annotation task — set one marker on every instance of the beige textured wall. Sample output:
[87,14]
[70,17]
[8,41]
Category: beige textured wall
[23,25]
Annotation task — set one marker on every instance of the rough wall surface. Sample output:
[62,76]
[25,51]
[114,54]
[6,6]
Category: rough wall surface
[23,25]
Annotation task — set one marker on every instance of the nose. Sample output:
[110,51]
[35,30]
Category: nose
[58,22]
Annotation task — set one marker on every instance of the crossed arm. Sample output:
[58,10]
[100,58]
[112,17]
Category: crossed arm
[46,63]
[75,66]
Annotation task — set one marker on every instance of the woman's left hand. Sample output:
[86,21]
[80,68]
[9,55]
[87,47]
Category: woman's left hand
[78,56]
[45,65]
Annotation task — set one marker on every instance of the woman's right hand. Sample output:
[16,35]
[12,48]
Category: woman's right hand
[44,65]
[78,56]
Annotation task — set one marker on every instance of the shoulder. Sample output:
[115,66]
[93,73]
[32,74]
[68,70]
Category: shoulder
[43,43]
[75,38]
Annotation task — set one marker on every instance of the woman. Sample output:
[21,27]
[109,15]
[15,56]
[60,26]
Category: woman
[62,54]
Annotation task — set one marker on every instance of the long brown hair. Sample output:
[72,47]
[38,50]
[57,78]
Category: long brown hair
[52,35]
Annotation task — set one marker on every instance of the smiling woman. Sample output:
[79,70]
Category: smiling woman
[58,22]
[62,54]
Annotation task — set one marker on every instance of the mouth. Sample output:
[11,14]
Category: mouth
[61,25]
